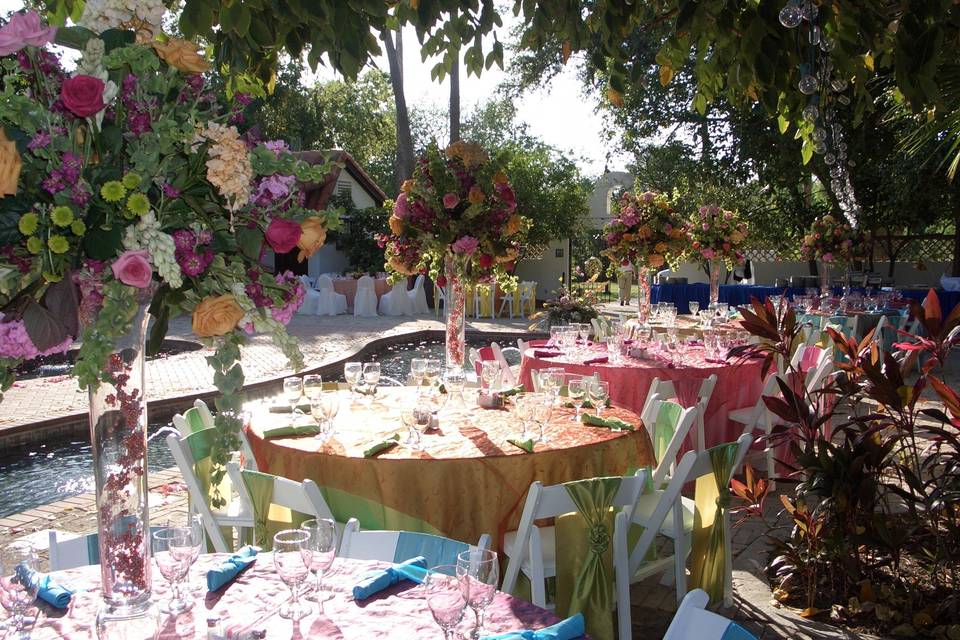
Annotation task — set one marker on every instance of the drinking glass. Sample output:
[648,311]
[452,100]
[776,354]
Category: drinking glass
[418,367]
[293,391]
[522,410]
[694,308]
[599,391]
[555,332]
[18,584]
[432,371]
[613,349]
[408,418]
[352,371]
[489,375]
[478,571]
[371,373]
[172,549]
[540,412]
[323,547]
[576,389]
[312,386]
[293,558]
[446,598]
[324,409]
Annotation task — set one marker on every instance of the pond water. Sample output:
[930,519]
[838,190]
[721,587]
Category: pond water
[39,474]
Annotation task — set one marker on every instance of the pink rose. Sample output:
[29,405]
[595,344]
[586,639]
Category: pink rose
[133,268]
[283,235]
[726,246]
[707,253]
[83,95]
[450,200]
[23,29]
[466,245]
[401,208]
[705,226]
[728,216]
[827,257]
[703,211]
[647,196]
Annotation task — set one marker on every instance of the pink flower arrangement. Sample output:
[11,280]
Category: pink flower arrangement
[833,241]
[133,268]
[716,234]
[23,29]
[645,230]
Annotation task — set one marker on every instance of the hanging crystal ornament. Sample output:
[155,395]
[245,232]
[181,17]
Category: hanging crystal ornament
[811,112]
[814,35]
[807,85]
[809,10]
[791,15]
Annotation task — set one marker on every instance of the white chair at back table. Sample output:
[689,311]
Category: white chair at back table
[671,514]
[398,546]
[692,621]
[69,550]
[532,550]
[331,303]
[418,297]
[198,417]
[396,302]
[311,298]
[525,292]
[439,300]
[365,301]
[509,375]
[666,390]
[188,452]
[481,293]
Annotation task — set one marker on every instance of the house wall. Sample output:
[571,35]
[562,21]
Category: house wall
[548,270]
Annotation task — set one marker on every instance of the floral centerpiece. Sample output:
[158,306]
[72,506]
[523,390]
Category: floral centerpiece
[457,220]
[832,242]
[128,184]
[646,231]
[570,304]
[717,236]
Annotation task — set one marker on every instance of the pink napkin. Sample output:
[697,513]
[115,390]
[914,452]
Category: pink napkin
[540,353]
[597,360]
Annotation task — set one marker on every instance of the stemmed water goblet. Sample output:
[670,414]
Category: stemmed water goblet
[323,547]
[478,571]
[490,376]
[293,558]
[172,551]
[694,308]
[576,390]
[431,371]
[324,409]
[522,410]
[447,598]
[18,584]
[293,391]
[540,411]
[599,391]
[352,372]
[418,367]
[312,386]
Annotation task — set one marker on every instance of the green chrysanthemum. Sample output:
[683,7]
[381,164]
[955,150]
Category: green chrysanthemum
[132,180]
[28,223]
[62,216]
[58,244]
[78,228]
[113,191]
[138,204]
[34,244]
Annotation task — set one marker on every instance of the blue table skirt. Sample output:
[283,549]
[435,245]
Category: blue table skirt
[741,294]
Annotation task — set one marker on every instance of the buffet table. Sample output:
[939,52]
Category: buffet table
[467,481]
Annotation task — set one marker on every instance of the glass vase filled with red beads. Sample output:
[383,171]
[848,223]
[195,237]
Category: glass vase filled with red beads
[456,304]
[118,433]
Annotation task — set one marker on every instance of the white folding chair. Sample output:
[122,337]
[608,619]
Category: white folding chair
[666,418]
[533,549]
[509,377]
[439,300]
[528,297]
[666,390]
[365,300]
[759,419]
[483,292]
[693,622]
[396,302]
[331,303]
[506,300]
[418,297]
[399,546]
[69,550]
[199,417]
[187,452]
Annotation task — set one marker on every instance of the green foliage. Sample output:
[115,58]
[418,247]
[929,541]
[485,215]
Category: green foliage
[358,239]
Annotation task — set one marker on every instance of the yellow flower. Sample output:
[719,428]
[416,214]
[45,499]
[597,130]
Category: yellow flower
[58,244]
[514,224]
[408,186]
[28,223]
[313,233]
[471,153]
[397,265]
[397,225]
[736,237]
[509,256]
[500,178]
[62,216]
[132,180]
[78,227]
[629,237]
[181,54]
[228,168]
[476,195]
[808,240]
[644,232]
[216,316]
[10,166]
[34,244]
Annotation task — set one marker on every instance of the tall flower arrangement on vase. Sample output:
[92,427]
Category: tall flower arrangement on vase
[834,242]
[128,190]
[457,220]
[646,231]
[717,236]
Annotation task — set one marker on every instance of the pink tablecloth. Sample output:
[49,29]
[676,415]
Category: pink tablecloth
[348,287]
[252,600]
[737,385]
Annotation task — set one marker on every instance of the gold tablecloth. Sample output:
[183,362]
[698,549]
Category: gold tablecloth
[467,481]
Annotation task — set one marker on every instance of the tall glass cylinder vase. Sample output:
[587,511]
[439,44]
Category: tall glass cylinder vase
[643,295]
[456,316]
[824,271]
[118,433]
[716,268]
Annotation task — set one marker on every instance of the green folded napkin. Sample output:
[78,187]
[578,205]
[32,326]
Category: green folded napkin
[285,408]
[526,445]
[506,393]
[609,423]
[380,447]
[292,431]
[587,405]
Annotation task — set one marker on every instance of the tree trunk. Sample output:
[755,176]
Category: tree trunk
[455,100]
[956,246]
[404,161]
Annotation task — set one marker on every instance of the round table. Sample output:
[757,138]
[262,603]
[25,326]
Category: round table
[467,481]
[738,384]
[251,602]
[348,287]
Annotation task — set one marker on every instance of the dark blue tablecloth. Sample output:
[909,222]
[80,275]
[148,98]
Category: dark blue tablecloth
[741,294]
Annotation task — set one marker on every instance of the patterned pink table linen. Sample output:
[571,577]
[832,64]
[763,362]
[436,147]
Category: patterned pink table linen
[252,601]
[738,385]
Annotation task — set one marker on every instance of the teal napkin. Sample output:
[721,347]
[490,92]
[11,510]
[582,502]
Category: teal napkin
[225,572]
[414,569]
[609,423]
[569,629]
[48,589]
[380,447]
[526,445]
[292,431]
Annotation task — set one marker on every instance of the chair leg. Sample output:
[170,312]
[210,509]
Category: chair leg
[679,552]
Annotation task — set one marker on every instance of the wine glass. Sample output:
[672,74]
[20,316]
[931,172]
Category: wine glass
[19,583]
[446,598]
[431,372]
[489,375]
[418,367]
[323,545]
[522,409]
[540,412]
[408,418]
[454,380]
[293,391]
[478,571]
[694,308]
[598,391]
[312,386]
[371,374]
[172,549]
[576,389]
[352,371]
[293,558]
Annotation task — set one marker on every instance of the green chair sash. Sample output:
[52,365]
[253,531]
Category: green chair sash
[665,427]
[585,565]
[709,568]
[194,419]
[268,518]
[200,444]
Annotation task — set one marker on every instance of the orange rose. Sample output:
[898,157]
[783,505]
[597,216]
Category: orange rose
[644,232]
[514,224]
[400,267]
[408,186]
[476,195]
[216,316]
[629,237]
[500,178]
[10,166]
[660,247]
[397,225]
[655,260]
[313,233]
[509,256]
[182,55]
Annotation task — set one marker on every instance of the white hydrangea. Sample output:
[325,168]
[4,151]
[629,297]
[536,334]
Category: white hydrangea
[139,15]
[146,234]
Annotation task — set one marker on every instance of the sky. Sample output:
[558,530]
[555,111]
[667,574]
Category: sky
[559,114]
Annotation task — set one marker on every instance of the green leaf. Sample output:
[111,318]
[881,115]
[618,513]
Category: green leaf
[782,123]
[44,329]
[806,152]
[700,103]
[116,38]
[250,242]
[10,211]
[73,37]
[103,244]
[197,18]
